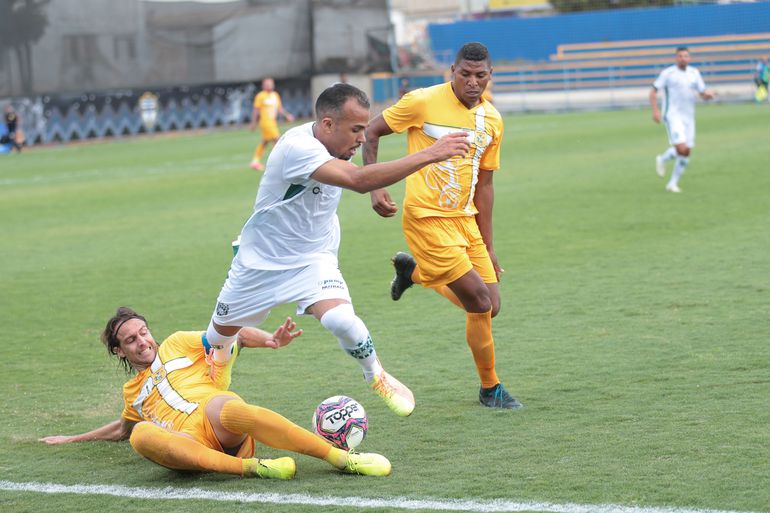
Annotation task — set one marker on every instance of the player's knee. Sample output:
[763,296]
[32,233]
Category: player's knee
[342,321]
[142,434]
[479,303]
[683,151]
[495,308]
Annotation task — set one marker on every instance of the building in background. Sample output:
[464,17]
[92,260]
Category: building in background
[77,68]
[95,45]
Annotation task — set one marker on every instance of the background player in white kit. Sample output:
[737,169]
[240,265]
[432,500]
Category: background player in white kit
[288,247]
[680,83]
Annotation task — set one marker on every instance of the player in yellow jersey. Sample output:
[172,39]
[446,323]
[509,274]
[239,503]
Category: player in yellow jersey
[447,218]
[267,106]
[176,415]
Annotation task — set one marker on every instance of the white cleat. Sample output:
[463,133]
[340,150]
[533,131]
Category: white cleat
[660,166]
[673,188]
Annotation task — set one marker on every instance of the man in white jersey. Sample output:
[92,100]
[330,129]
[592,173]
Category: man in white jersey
[680,83]
[288,247]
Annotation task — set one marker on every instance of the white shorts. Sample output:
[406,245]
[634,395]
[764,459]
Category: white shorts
[248,294]
[681,131]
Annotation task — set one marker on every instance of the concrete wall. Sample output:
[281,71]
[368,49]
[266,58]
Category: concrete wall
[321,82]
[268,41]
[86,45]
[341,41]
[93,45]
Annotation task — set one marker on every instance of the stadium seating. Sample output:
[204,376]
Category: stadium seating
[634,63]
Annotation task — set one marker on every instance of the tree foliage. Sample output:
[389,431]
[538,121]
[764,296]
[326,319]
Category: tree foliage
[22,23]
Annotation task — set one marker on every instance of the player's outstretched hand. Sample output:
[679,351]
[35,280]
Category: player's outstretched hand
[56,439]
[283,335]
[451,145]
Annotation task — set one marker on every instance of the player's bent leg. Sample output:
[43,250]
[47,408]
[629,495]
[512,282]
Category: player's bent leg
[445,291]
[494,296]
[274,430]
[660,160]
[221,349]
[472,292]
[269,428]
[682,150]
[179,452]
[404,265]
[354,338]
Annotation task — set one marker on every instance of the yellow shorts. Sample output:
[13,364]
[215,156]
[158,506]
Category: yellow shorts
[269,131]
[447,248]
[199,427]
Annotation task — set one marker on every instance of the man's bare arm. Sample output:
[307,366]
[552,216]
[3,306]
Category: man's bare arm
[343,173]
[255,337]
[382,203]
[113,432]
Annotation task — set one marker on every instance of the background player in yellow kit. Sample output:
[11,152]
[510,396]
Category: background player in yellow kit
[267,106]
[177,416]
[447,218]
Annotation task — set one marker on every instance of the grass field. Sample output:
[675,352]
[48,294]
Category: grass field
[634,324]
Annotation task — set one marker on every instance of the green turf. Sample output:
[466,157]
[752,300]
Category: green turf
[634,323]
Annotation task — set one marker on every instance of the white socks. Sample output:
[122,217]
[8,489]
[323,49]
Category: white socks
[354,338]
[669,154]
[222,347]
[681,164]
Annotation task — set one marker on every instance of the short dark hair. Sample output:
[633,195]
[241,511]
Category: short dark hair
[682,49]
[474,51]
[333,98]
[110,334]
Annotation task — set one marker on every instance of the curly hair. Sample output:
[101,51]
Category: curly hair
[110,334]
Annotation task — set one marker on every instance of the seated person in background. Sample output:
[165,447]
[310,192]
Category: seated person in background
[13,135]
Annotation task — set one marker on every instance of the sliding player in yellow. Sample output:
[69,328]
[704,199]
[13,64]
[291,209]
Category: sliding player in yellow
[178,416]
[447,217]
[267,106]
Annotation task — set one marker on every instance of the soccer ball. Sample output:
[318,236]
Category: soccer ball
[341,420]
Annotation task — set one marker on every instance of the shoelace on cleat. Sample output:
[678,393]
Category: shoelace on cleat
[382,386]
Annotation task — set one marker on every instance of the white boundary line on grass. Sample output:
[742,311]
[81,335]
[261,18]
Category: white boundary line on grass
[405,503]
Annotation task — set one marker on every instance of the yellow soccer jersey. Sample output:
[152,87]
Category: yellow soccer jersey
[172,389]
[269,104]
[445,189]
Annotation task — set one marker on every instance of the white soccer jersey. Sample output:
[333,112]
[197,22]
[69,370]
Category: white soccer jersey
[295,217]
[680,88]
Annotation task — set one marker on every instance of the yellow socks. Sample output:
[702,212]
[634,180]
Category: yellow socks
[272,429]
[478,333]
[178,452]
[259,152]
[447,293]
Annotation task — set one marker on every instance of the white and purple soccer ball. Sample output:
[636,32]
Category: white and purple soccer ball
[342,421]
